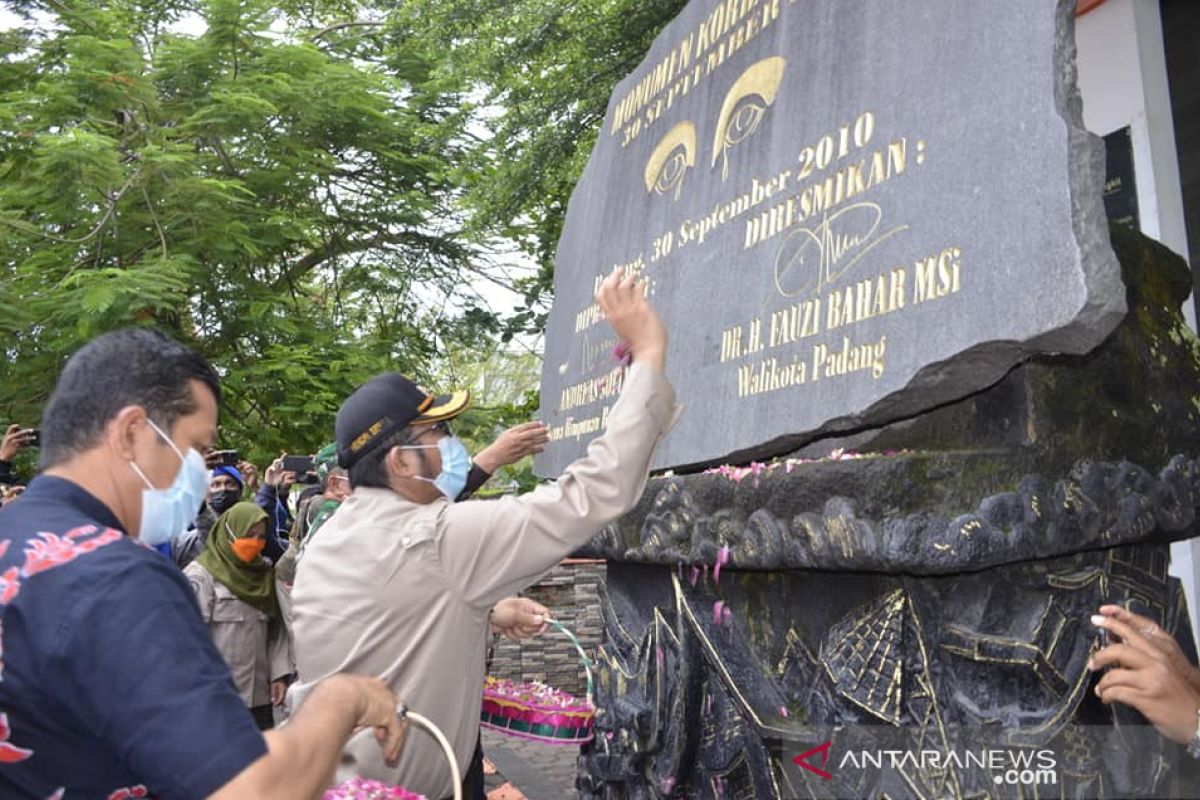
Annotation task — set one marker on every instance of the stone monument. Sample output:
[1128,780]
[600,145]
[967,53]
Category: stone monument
[877,236]
[848,212]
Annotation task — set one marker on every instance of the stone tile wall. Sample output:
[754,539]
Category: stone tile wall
[570,592]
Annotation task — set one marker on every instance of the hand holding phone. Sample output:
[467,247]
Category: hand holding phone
[297,464]
[222,458]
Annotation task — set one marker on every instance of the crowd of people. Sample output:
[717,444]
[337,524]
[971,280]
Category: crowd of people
[173,627]
[241,550]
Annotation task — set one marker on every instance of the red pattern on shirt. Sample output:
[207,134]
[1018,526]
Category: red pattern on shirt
[10,584]
[127,793]
[10,753]
[51,550]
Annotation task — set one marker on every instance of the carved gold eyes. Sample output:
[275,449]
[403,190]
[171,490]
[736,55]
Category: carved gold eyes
[742,113]
[672,157]
[744,107]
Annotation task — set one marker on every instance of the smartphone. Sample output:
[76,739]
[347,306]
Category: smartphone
[298,464]
[224,458]
[32,437]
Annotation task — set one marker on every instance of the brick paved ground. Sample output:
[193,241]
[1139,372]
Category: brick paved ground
[530,770]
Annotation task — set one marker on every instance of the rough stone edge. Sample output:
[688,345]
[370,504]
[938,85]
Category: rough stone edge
[1098,506]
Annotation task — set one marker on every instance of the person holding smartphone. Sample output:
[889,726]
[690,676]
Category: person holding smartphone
[273,499]
[16,439]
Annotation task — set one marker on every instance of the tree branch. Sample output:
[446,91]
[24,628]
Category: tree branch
[220,151]
[21,225]
[339,246]
[342,25]
[161,236]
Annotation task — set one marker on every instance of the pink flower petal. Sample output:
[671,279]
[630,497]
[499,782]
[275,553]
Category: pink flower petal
[722,560]
[718,607]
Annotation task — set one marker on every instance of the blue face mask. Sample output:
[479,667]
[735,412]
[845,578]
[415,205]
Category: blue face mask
[456,465]
[167,512]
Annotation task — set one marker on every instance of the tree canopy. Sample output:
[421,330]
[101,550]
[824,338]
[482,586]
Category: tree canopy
[309,192]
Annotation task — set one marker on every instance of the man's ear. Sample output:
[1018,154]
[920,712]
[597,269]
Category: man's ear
[396,464]
[123,430]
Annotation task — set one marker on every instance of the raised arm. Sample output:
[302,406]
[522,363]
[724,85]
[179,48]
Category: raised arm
[493,549]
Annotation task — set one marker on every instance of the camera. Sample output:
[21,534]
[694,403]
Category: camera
[32,437]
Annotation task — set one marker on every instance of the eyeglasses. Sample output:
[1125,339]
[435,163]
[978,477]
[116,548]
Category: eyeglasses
[437,427]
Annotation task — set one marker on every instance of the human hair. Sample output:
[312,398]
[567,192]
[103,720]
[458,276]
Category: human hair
[371,469]
[131,367]
[335,472]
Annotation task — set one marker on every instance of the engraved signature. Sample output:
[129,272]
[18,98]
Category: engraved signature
[830,250]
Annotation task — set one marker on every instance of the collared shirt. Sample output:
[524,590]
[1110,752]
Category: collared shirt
[111,686]
[256,650]
[403,591]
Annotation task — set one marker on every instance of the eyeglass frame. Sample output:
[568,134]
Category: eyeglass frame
[441,426]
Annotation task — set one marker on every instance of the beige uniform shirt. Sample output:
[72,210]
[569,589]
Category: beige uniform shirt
[402,591]
[255,651]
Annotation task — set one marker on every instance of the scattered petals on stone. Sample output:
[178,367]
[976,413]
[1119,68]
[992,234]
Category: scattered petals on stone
[722,560]
[758,468]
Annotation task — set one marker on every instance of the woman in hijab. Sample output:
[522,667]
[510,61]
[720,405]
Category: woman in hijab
[235,587]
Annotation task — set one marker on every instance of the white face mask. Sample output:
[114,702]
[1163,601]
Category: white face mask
[168,512]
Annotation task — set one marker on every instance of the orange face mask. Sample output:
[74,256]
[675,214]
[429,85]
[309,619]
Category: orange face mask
[248,549]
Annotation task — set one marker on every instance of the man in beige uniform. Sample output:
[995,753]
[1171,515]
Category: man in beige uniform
[400,582]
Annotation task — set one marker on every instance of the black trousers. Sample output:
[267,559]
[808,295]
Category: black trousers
[263,717]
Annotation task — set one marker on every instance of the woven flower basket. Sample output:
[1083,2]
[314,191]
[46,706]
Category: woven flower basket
[537,712]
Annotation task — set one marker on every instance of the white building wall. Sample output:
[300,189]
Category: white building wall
[1123,81]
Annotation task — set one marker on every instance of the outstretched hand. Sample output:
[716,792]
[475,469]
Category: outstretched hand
[1157,638]
[1141,675]
[622,298]
[514,444]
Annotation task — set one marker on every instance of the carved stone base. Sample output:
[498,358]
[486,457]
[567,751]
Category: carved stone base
[709,688]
